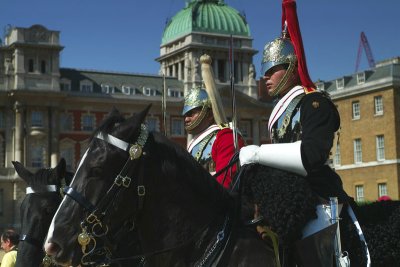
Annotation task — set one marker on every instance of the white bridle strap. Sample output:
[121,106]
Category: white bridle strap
[114,141]
[46,188]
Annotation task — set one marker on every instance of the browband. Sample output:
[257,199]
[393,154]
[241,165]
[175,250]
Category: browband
[41,189]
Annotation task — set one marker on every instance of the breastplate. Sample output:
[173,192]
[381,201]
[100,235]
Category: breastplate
[287,129]
[202,152]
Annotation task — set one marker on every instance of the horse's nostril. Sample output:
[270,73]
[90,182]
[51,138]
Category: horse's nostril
[51,248]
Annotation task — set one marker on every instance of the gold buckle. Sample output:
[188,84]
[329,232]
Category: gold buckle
[141,190]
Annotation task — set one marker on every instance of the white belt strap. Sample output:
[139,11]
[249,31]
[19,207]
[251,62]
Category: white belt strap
[114,141]
[47,188]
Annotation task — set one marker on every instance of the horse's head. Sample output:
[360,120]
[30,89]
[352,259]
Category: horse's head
[133,192]
[103,161]
[37,209]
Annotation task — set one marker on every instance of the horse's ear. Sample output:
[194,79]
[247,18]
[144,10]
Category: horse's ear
[61,168]
[142,115]
[22,171]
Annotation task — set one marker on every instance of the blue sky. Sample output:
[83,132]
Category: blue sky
[125,35]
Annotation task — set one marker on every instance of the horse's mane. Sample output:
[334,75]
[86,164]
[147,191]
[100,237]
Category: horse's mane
[176,160]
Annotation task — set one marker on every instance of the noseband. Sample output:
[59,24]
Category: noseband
[93,228]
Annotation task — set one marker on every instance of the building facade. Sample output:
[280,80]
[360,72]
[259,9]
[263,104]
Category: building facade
[366,155]
[48,112]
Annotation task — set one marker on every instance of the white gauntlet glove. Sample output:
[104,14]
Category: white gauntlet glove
[285,156]
[248,154]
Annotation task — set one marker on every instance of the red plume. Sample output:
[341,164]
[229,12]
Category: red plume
[289,15]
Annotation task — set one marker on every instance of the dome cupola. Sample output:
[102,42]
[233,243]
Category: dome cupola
[209,16]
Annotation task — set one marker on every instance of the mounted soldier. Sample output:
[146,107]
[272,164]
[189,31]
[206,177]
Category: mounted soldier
[212,144]
[302,127]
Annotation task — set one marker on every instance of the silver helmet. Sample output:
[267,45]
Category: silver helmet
[278,52]
[195,98]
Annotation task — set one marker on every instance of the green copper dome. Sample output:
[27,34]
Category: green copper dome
[212,16]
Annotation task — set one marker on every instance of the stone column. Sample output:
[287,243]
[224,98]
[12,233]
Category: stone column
[173,70]
[19,82]
[180,70]
[54,129]
[18,154]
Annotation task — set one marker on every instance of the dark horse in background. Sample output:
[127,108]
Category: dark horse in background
[42,199]
[154,203]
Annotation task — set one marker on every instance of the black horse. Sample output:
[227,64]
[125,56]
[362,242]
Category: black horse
[137,195]
[43,196]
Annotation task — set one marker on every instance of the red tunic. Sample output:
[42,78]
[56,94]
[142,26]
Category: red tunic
[222,152]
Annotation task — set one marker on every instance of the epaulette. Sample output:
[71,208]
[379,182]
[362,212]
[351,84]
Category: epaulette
[309,90]
[224,125]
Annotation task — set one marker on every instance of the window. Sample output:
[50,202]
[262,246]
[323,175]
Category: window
[31,65]
[128,90]
[86,87]
[152,124]
[357,151]
[378,105]
[356,110]
[87,122]
[361,78]
[359,193]
[245,128]
[340,83]
[177,127]
[107,89]
[382,189]
[65,85]
[67,152]
[380,147]
[149,91]
[336,159]
[37,156]
[264,133]
[221,70]
[43,66]
[37,119]
[66,122]
[321,86]
[174,93]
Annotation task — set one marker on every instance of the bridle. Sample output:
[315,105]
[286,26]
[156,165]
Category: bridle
[47,261]
[93,226]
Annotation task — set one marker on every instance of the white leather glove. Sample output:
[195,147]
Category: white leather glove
[248,154]
[285,156]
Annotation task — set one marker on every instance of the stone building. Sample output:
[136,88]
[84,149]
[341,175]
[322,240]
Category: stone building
[367,156]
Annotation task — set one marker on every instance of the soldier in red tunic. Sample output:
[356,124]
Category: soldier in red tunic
[212,145]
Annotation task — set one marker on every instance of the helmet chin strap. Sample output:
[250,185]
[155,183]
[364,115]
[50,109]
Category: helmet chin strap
[282,84]
[198,120]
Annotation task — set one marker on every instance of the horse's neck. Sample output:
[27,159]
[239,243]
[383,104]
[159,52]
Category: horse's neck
[192,251]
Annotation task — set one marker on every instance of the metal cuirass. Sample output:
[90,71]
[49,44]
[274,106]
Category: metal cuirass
[202,152]
[287,129]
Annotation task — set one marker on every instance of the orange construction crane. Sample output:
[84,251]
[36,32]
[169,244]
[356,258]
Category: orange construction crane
[364,43]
